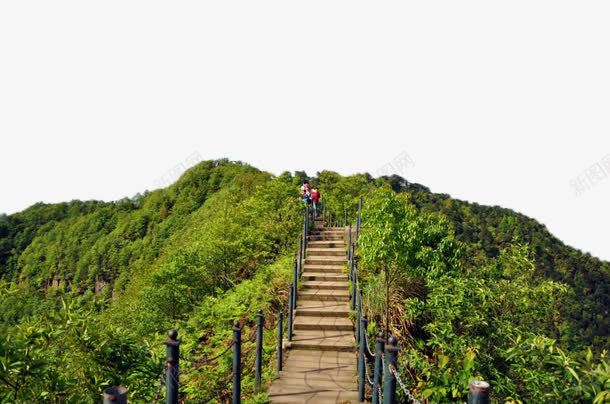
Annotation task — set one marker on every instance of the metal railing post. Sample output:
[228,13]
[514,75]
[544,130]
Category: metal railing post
[290,301]
[354,286]
[478,392]
[295,282]
[115,395]
[350,272]
[305,234]
[349,262]
[236,363]
[280,341]
[391,359]
[353,262]
[378,371]
[349,245]
[359,304]
[173,365]
[362,360]
[295,293]
[300,258]
[258,360]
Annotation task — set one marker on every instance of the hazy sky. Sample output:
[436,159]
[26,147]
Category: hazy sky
[503,103]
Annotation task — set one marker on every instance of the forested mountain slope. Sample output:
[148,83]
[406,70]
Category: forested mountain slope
[490,229]
[88,289]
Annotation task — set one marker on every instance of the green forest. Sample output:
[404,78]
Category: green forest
[89,289]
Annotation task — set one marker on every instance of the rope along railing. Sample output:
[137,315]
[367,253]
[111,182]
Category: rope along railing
[383,385]
[170,375]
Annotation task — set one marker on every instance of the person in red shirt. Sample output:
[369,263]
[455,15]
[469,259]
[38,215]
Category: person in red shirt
[315,199]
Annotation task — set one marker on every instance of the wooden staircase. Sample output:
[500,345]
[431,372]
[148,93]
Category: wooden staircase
[321,363]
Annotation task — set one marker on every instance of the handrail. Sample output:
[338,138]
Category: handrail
[366,357]
[173,343]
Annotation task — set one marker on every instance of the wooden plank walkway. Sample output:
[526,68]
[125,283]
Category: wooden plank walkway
[320,366]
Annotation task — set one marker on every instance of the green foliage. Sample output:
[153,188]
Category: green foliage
[210,330]
[540,371]
[396,236]
[463,319]
[131,270]
[342,193]
[68,357]
[89,289]
[404,248]
[486,230]
[236,234]
[467,320]
[175,289]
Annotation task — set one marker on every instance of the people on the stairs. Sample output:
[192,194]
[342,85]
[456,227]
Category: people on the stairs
[306,192]
[315,199]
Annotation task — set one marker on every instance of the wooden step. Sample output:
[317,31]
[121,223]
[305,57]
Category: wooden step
[324,358]
[317,396]
[343,382]
[317,340]
[323,323]
[320,308]
[341,295]
[317,252]
[317,230]
[339,370]
[324,276]
[325,261]
[325,268]
[326,244]
[325,237]
[337,285]
[321,313]
[321,382]
[324,355]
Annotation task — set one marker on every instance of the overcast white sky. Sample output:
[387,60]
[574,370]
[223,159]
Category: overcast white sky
[502,103]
